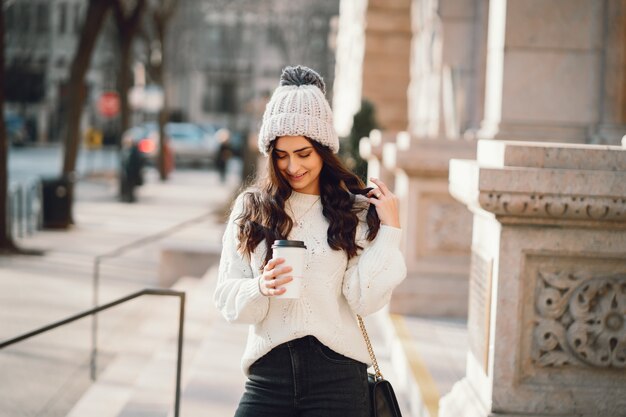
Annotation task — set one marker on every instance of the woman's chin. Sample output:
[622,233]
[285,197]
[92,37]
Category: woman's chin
[297,186]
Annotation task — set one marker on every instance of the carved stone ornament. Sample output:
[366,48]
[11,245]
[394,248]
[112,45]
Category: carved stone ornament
[580,320]
[554,206]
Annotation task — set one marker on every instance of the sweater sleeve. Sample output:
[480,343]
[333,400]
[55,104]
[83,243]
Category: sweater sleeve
[237,294]
[372,275]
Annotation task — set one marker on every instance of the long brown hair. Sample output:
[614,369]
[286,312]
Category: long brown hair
[264,216]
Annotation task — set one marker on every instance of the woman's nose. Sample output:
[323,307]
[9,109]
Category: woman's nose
[293,166]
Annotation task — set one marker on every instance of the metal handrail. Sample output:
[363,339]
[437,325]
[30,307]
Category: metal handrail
[94,311]
[119,251]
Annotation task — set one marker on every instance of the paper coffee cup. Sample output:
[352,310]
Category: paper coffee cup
[293,252]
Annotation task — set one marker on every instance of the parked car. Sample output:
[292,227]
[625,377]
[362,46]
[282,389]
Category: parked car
[190,144]
[17,133]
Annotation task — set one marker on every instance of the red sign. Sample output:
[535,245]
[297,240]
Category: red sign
[109,104]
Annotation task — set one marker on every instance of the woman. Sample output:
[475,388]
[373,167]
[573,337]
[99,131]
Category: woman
[306,356]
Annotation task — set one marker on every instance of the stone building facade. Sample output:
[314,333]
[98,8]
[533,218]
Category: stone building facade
[41,39]
[226,58]
[511,181]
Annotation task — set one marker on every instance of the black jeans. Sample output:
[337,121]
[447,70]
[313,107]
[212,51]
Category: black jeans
[304,378]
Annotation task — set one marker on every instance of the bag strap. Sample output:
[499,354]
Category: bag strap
[377,374]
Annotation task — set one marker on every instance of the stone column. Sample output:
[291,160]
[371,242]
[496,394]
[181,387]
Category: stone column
[612,106]
[371,150]
[547,310]
[554,71]
[444,96]
[447,67]
[437,229]
[386,61]
[373,55]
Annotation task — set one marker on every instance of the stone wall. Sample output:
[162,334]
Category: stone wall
[555,71]
[547,310]
[447,67]
[373,50]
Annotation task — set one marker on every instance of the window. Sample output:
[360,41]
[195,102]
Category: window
[23,17]
[10,17]
[228,97]
[208,100]
[61,62]
[220,96]
[77,18]
[43,11]
[215,34]
[42,62]
[62,17]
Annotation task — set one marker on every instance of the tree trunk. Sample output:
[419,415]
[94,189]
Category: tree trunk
[160,25]
[127,28]
[77,90]
[124,82]
[6,241]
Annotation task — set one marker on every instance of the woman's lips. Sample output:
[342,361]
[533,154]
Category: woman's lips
[297,177]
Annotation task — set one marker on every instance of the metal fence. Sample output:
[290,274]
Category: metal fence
[25,208]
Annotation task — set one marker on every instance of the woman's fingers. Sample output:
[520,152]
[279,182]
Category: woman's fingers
[276,272]
[271,279]
[386,204]
[375,192]
[277,291]
[271,264]
[277,282]
[274,286]
[269,289]
[381,185]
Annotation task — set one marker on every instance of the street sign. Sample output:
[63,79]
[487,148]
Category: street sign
[109,104]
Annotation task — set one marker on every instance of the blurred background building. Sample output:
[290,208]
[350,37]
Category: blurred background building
[224,59]
[41,39]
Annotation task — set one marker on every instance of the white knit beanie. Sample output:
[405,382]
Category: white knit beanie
[298,107]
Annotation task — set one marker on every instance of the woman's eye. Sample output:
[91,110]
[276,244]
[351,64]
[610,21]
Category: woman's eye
[281,156]
[305,156]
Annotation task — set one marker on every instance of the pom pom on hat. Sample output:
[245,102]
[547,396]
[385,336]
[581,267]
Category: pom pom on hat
[300,75]
[299,107]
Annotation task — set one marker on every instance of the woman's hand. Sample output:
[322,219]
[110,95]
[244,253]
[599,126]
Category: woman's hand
[386,204]
[269,284]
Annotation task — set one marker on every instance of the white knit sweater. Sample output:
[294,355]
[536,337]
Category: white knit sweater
[333,290]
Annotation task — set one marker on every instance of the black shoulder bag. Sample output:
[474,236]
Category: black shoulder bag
[383,402]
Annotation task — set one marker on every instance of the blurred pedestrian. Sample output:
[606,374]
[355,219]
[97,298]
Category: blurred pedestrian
[306,356]
[224,152]
[131,170]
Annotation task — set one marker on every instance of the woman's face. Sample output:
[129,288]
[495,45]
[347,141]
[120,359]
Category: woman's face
[299,163]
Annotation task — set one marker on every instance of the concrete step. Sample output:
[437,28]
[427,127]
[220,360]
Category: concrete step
[214,382]
[421,357]
[141,378]
[153,393]
[55,365]
[428,356]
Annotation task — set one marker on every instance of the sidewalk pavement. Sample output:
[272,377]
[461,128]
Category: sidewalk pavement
[421,357]
[35,291]
[63,276]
